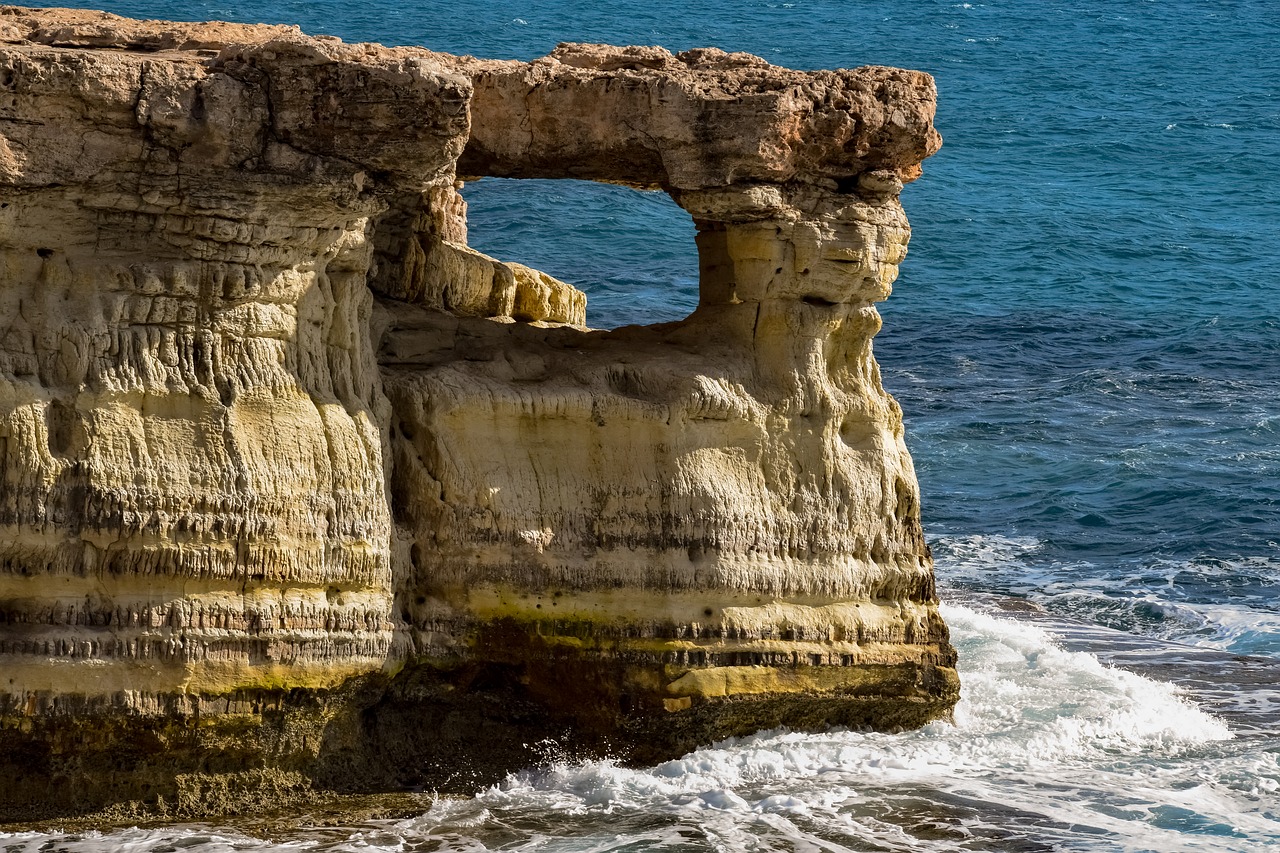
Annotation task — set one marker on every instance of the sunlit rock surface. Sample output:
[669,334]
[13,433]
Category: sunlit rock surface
[299,491]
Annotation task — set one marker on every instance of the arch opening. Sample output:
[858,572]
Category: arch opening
[631,251]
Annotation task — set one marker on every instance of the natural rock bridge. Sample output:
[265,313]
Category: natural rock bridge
[297,490]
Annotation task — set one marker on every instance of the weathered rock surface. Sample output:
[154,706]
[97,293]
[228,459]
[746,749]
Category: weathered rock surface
[297,489]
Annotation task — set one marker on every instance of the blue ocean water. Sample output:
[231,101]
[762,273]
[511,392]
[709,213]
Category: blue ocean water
[1085,339]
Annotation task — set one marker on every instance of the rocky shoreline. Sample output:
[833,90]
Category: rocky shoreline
[299,493]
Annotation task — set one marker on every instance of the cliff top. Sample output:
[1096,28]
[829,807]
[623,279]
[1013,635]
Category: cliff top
[635,115]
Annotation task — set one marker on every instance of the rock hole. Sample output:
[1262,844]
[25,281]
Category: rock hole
[848,186]
[198,110]
[45,253]
[61,421]
[631,251]
[818,301]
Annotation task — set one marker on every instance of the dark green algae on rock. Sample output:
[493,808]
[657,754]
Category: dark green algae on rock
[432,727]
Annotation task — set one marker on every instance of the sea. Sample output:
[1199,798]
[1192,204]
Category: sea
[1085,340]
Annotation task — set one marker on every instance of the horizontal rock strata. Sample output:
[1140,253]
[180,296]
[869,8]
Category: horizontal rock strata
[297,489]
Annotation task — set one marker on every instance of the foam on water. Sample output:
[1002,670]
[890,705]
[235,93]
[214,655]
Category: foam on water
[1047,746]
[1049,734]
[1219,603]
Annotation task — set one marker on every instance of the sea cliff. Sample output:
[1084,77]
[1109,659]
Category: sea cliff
[298,491]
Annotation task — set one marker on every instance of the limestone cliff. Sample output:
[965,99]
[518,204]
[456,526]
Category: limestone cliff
[298,490]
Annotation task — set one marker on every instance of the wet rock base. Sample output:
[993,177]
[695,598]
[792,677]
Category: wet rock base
[446,731]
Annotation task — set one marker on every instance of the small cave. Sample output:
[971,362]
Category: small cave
[631,251]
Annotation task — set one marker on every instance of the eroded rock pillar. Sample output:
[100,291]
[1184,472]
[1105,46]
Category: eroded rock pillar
[298,491]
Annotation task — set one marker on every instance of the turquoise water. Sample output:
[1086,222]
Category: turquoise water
[1085,339]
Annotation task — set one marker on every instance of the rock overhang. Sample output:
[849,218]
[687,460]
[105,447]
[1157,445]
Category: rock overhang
[698,120]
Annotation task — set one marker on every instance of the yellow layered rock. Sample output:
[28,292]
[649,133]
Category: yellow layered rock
[298,490]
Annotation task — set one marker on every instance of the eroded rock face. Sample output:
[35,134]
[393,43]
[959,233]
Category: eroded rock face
[285,464]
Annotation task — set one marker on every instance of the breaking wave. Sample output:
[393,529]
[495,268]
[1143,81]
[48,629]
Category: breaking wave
[1047,745]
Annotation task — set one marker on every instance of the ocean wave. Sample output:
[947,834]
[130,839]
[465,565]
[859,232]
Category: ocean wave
[1252,629]
[1224,603]
[1032,719]
[1046,744]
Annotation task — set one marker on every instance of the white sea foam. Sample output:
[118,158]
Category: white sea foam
[135,840]
[1225,626]
[1134,597]
[985,550]
[1033,719]
[971,560]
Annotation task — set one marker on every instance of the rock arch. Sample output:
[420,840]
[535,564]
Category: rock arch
[283,460]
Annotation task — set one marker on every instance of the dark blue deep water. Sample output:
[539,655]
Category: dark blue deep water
[1085,339]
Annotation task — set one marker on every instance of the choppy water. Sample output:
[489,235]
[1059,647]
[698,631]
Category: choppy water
[1086,342]
[1051,750]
